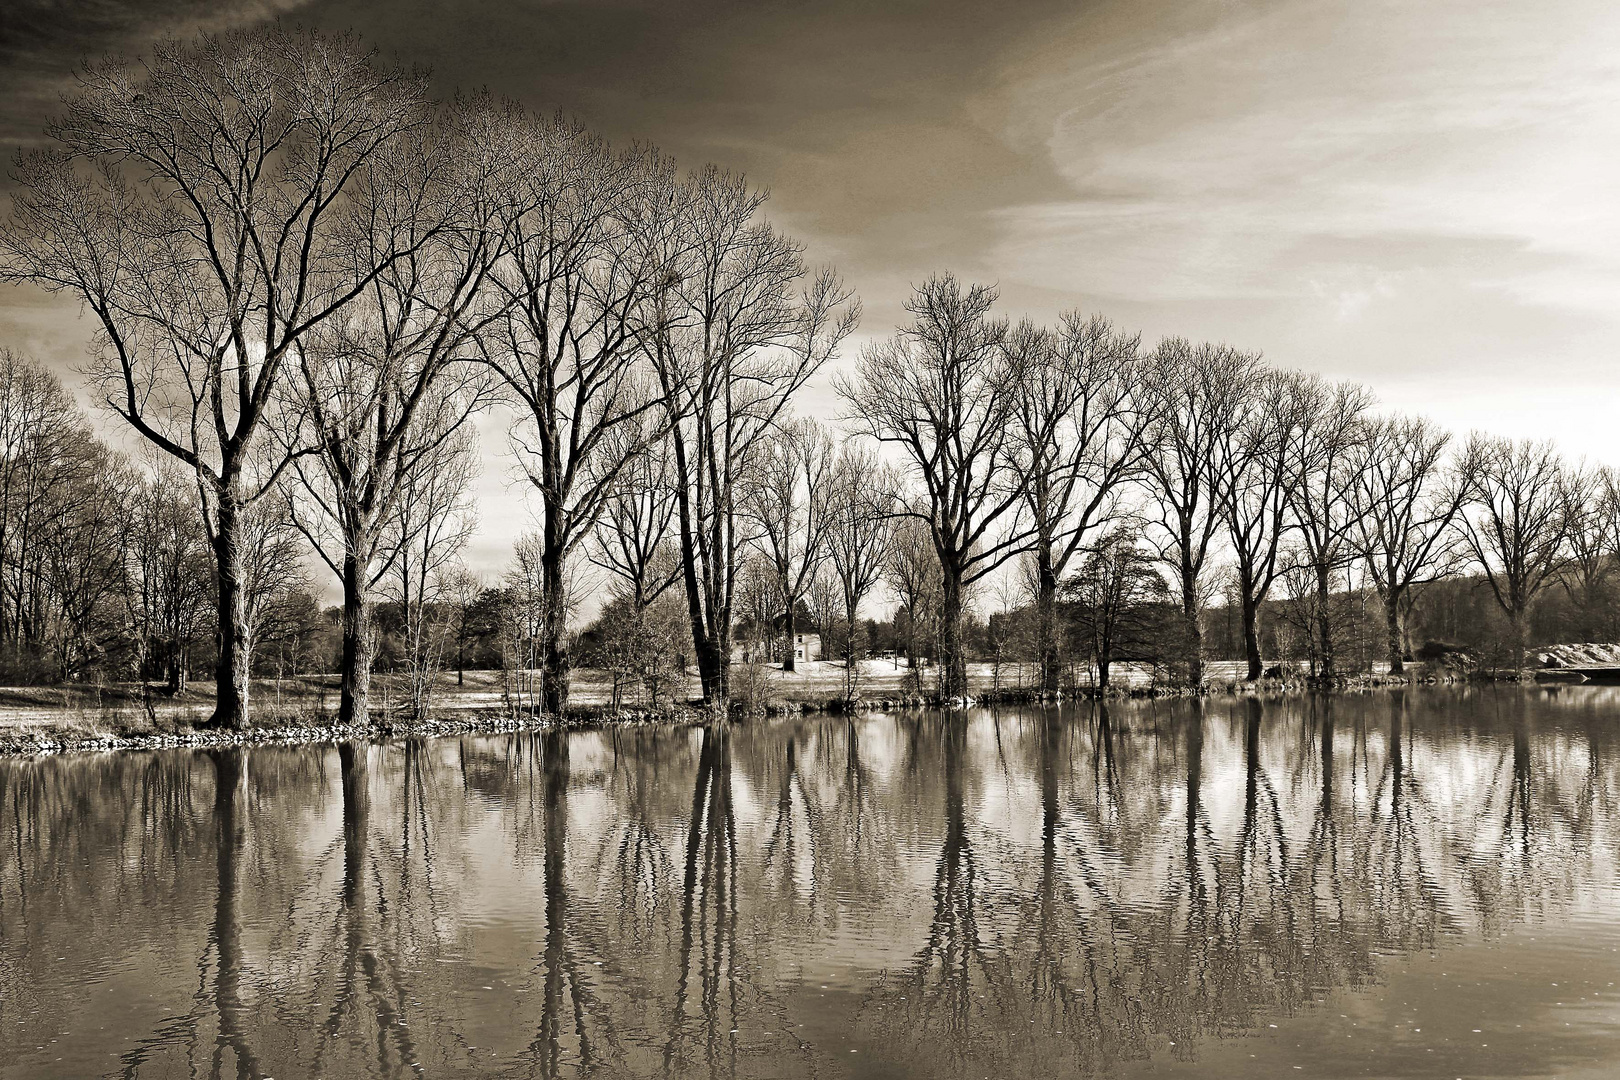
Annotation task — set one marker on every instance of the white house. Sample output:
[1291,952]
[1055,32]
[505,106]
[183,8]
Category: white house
[806,647]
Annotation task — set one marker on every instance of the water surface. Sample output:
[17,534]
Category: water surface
[1402,884]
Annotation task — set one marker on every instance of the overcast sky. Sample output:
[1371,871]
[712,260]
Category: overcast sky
[1422,195]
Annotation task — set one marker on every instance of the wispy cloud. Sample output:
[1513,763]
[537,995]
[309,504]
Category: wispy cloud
[1241,157]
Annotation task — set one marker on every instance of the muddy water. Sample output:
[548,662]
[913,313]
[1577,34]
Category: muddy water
[1397,884]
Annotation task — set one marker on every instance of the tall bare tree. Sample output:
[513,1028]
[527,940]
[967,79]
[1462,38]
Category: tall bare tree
[1190,393]
[1403,502]
[39,430]
[791,504]
[1324,463]
[588,248]
[81,547]
[1516,523]
[1081,426]
[169,573]
[1254,486]
[194,205]
[1588,572]
[862,506]
[434,522]
[912,573]
[945,390]
[274,575]
[384,390]
[732,337]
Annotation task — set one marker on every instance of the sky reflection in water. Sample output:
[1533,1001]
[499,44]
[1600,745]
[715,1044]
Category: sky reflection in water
[1418,883]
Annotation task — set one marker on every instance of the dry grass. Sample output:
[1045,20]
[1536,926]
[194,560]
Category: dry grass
[75,713]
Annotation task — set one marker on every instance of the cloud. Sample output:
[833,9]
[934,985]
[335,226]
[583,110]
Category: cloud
[1213,162]
[43,41]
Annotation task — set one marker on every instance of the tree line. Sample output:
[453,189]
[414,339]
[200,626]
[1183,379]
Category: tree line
[308,278]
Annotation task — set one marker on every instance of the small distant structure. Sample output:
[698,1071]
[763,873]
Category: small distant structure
[806,647]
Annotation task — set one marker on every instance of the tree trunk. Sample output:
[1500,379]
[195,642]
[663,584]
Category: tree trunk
[555,664]
[1324,619]
[1396,633]
[706,647]
[177,671]
[1520,621]
[1194,644]
[790,627]
[951,657]
[1251,638]
[234,664]
[1046,629]
[354,672]
[710,673]
[851,672]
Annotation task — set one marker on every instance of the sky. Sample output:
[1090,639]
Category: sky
[1424,196]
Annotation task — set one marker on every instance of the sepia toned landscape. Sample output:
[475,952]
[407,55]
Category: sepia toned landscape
[890,540]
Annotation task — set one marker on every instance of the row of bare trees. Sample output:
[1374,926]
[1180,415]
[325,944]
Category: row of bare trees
[1049,444]
[308,279]
[306,273]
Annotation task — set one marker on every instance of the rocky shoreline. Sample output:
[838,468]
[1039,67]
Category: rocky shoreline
[65,738]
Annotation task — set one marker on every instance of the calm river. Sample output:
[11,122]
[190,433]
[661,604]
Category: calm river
[1405,884]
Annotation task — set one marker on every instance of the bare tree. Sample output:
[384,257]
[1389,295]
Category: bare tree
[1114,593]
[757,601]
[1403,503]
[1190,393]
[589,244]
[274,575]
[1081,428]
[633,539]
[194,208]
[1516,523]
[1297,615]
[1587,573]
[41,460]
[825,599]
[945,390]
[434,521]
[169,573]
[634,542]
[524,615]
[862,508]
[1254,485]
[461,589]
[81,544]
[1323,466]
[385,390]
[731,342]
[912,572]
[1607,503]
[791,504]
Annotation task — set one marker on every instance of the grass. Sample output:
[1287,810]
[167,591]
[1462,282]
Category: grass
[83,715]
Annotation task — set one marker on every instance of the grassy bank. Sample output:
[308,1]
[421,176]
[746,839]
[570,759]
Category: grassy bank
[82,717]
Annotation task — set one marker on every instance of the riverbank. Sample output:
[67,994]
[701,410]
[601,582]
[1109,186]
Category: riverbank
[85,718]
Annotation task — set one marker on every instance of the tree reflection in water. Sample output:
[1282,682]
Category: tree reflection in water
[1026,892]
